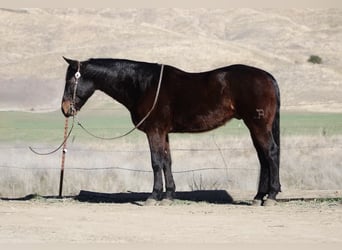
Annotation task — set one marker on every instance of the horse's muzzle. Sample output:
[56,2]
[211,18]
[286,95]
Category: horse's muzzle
[67,109]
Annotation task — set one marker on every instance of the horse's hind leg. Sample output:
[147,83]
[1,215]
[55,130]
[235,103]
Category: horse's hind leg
[264,174]
[268,154]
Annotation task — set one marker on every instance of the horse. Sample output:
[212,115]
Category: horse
[163,99]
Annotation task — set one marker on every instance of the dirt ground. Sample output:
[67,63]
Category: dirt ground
[70,221]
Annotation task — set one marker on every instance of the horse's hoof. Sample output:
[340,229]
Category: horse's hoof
[257,203]
[270,203]
[151,202]
[166,202]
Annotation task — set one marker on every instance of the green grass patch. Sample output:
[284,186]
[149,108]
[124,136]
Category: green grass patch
[49,127]
[325,124]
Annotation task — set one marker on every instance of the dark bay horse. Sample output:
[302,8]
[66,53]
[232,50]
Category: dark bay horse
[185,102]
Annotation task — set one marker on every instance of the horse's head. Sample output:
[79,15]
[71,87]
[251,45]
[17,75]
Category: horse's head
[77,88]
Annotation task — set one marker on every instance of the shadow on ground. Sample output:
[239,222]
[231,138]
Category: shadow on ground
[209,196]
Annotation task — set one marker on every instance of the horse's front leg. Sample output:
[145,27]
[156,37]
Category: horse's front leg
[161,161]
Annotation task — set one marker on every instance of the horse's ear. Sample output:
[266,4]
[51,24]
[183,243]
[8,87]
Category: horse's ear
[72,63]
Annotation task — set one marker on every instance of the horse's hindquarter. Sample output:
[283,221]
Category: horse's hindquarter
[253,92]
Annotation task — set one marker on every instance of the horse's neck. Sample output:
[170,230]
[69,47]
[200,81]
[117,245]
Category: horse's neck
[119,85]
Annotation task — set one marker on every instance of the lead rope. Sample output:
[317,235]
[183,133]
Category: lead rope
[142,120]
[66,134]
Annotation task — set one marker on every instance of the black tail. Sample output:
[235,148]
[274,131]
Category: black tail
[276,121]
[276,127]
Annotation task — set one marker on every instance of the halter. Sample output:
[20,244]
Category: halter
[77,76]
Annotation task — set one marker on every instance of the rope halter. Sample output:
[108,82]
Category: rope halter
[77,77]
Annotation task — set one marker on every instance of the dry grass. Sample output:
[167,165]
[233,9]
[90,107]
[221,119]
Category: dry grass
[307,162]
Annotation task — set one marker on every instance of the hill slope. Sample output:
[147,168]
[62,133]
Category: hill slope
[33,42]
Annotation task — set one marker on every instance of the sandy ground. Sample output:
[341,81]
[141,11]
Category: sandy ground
[70,221]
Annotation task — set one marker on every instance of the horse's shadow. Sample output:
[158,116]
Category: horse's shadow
[208,196]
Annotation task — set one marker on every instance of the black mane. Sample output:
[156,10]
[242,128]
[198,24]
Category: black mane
[139,75]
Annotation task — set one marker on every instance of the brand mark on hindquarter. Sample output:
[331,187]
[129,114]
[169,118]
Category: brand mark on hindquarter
[260,114]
